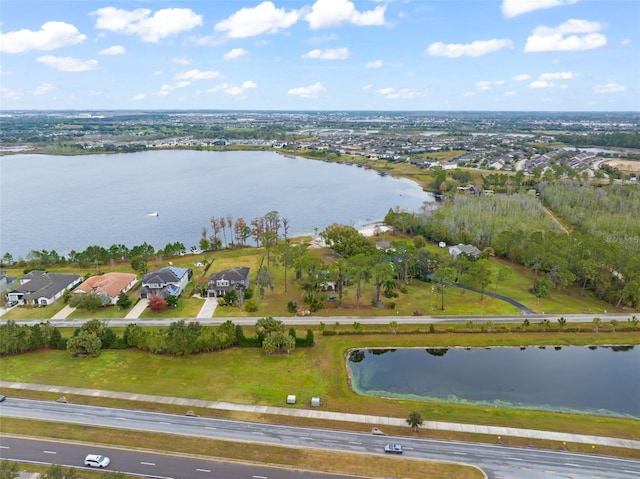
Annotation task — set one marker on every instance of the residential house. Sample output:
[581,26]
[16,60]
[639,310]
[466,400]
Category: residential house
[467,249]
[41,288]
[234,279]
[108,286]
[169,281]
[6,282]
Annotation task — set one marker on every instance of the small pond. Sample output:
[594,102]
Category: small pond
[603,380]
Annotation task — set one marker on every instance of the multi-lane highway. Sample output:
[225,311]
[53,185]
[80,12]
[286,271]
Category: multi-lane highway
[498,462]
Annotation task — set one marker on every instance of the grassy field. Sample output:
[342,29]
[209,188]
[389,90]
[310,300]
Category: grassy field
[237,375]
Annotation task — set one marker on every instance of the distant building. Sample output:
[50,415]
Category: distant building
[467,249]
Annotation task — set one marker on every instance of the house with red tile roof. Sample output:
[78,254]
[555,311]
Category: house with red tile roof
[108,285]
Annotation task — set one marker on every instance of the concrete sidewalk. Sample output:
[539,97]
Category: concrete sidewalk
[377,421]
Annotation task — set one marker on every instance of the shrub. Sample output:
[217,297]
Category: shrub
[248,293]
[250,306]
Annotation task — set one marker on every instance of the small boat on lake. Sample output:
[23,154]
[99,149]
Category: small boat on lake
[153,213]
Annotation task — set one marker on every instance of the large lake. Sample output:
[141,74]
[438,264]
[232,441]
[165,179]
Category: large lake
[594,380]
[71,202]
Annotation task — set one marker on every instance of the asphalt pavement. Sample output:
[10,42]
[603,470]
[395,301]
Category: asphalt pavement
[318,413]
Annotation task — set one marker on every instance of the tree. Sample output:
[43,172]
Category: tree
[562,322]
[172,301]
[614,325]
[86,301]
[346,240]
[124,301]
[277,342]
[501,275]
[394,326]
[443,276]
[56,471]
[140,265]
[481,272]
[84,345]
[157,303]
[6,260]
[9,470]
[264,280]
[287,254]
[596,323]
[269,239]
[415,420]
[267,326]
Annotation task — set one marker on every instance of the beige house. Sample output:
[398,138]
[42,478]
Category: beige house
[108,285]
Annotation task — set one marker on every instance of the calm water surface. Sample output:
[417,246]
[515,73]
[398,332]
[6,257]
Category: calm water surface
[63,203]
[602,380]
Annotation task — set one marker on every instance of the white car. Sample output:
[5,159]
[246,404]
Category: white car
[393,449]
[95,460]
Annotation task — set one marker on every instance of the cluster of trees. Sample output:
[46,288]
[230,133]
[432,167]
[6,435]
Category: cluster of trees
[263,229]
[96,256]
[516,228]
[179,338]
[609,212]
[618,139]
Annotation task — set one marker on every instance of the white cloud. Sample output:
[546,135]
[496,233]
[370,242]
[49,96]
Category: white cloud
[397,94]
[51,35]
[329,37]
[7,95]
[181,61]
[328,54]
[374,64]
[333,13]
[483,85]
[311,91]
[475,49]
[611,87]
[139,96]
[68,64]
[625,42]
[250,22]
[499,82]
[114,50]
[523,77]
[367,87]
[557,76]
[572,35]
[234,90]
[235,53]
[141,22]
[193,75]
[509,93]
[165,89]
[513,8]
[540,84]
[43,88]
[249,84]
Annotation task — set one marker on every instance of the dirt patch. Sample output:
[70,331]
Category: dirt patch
[625,165]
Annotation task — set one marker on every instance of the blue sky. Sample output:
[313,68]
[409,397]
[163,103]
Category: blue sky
[549,55]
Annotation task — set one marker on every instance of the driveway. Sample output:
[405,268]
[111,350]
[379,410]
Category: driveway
[208,308]
[137,310]
[64,312]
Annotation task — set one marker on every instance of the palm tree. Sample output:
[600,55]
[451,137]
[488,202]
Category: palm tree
[415,420]
[394,326]
[596,322]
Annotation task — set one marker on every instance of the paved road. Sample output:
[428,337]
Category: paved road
[498,462]
[347,321]
[143,463]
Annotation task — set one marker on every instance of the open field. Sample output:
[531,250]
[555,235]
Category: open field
[625,165]
[237,375]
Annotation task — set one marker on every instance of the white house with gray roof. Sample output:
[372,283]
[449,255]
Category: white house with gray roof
[467,249]
[40,288]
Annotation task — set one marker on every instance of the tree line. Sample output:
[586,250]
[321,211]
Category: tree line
[178,339]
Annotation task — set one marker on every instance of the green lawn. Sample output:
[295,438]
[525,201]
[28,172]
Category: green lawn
[238,375]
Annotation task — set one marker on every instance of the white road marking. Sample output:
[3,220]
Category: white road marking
[571,464]
[259,477]
[260,433]
[203,470]
[207,427]
[515,459]
[354,442]
[632,472]
[50,452]
[161,422]
[148,463]
[4,447]
[460,453]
